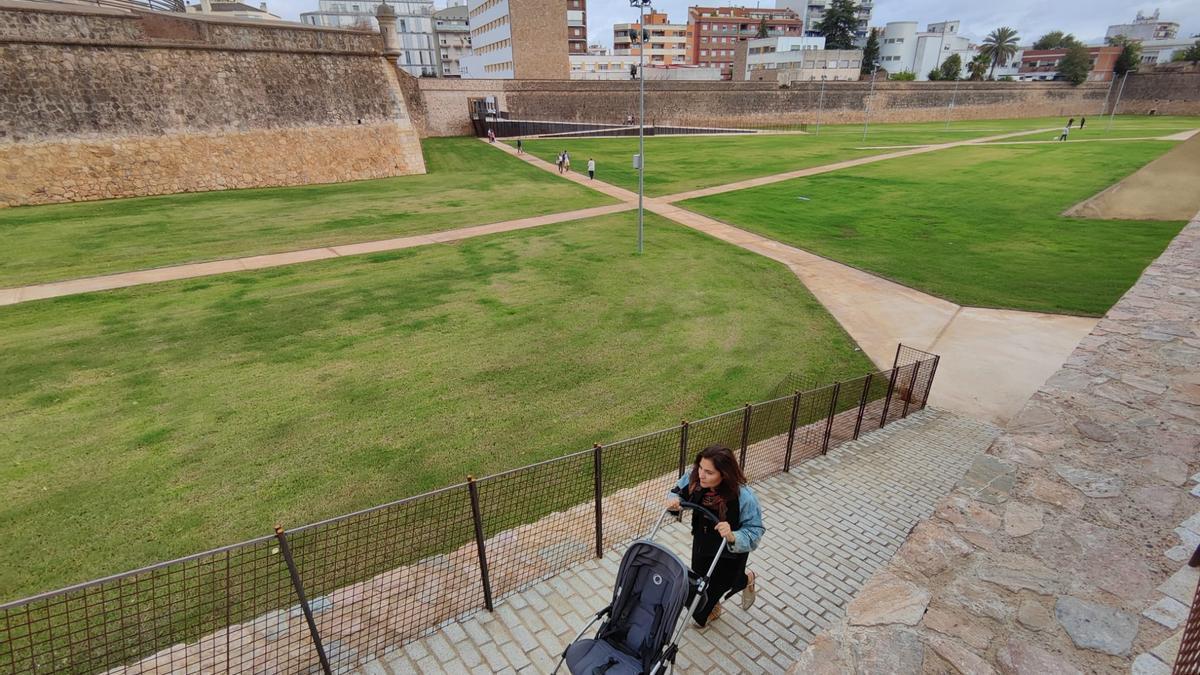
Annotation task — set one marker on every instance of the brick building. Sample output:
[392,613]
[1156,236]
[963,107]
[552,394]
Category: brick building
[714,32]
[667,45]
[1042,64]
[523,39]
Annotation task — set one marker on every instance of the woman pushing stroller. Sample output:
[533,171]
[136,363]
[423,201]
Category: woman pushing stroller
[717,483]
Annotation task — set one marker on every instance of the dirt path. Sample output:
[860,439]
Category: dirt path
[1165,189]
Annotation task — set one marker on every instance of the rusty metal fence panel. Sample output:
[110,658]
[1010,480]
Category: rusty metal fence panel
[329,595]
[1187,662]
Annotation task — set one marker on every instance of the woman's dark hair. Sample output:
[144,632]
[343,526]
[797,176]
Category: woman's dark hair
[732,478]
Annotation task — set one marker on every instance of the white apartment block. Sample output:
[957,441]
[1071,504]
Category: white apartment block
[1146,28]
[813,11]
[452,39]
[667,44]
[903,48]
[414,27]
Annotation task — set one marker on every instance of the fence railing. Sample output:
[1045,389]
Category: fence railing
[332,595]
[1187,661]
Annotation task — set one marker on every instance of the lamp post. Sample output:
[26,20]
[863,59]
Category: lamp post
[867,119]
[821,105]
[1118,101]
[950,110]
[641,164]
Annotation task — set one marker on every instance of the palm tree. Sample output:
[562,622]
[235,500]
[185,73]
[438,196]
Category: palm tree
[999,46]
[978,66]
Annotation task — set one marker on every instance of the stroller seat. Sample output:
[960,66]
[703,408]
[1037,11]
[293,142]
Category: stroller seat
[598,657]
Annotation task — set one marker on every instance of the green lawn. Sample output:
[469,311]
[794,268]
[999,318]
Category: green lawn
[1123,126]
[467,184]
[157,421]
[977,225]
[682,163]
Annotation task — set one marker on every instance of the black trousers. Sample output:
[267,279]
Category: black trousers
[728,579]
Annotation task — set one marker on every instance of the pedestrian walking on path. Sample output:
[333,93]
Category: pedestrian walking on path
[591,168]
[1082,121]
[1066,131]
[491,135]
[559,161]
[717,483]
[520,146]
[1070,122]
[566,162]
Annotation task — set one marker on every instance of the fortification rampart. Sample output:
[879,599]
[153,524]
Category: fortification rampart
[99,104]
[445,103]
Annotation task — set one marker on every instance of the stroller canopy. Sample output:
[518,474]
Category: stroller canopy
[651,590]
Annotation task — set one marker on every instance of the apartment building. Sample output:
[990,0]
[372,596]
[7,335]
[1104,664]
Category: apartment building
[1042,64]
[667,44]
[1146,28]
[234,10]
[902,48]
[811,12]
[714,32]
[414,27]
[791,59]
[452,39]
[524,39]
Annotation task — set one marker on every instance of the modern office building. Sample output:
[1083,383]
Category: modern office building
[667,44]
[1146,28]
[902,48]
[524,39]
[452,39]
[811,12]
[714,32]
[414,27]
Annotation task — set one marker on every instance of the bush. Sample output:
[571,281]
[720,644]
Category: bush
[904,76]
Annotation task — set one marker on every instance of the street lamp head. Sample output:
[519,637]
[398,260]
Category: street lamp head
[639,3]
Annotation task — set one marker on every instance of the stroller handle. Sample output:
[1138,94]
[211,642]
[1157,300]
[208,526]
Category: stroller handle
[684,504]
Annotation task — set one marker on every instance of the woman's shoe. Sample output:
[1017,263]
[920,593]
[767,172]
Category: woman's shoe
[749,593]
[714,615]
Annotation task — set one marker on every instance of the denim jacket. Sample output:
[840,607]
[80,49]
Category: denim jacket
[746,538]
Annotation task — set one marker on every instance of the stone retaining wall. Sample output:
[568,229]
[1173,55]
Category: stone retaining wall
[445,110]
[1062,551]
[100,104]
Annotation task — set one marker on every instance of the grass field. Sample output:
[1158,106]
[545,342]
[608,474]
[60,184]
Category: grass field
[1123,126]
[977,225]
[467,184]
[158,421]
[682,163]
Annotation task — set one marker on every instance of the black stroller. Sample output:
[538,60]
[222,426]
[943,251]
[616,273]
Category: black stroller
[640,635]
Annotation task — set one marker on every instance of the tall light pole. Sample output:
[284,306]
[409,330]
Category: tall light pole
[821,105]
[1118,101]
[641,5]
[867,119]
[950,110]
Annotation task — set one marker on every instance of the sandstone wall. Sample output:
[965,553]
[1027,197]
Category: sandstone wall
[1166,93]
[765,104]
[100,104]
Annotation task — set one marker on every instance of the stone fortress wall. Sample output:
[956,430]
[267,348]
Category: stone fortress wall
[100,103]
[444,109]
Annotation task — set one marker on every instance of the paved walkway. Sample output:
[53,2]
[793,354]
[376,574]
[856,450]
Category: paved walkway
[55,289]
[874,489]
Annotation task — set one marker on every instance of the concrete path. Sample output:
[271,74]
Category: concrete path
[1165,189]
[55,289]
[874,489]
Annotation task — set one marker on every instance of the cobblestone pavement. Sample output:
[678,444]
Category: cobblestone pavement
[830,523]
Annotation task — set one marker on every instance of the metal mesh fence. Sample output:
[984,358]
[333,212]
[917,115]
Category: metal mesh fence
[369,582]
[1187,661]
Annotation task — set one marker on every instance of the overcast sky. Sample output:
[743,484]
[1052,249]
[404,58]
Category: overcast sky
[1087,19]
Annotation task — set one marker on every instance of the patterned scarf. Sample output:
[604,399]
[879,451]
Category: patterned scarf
[709,499]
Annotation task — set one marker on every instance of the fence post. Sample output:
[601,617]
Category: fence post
[599,481]
[929,387]
[896,361]
[887,402]
[683,446]
[837,390]
[745,434]
[791,442]
[862,405]
[912,388]
[473,491]
[299,587]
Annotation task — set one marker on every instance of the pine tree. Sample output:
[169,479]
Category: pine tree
[870,52]
[1075,66]
[839,24]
